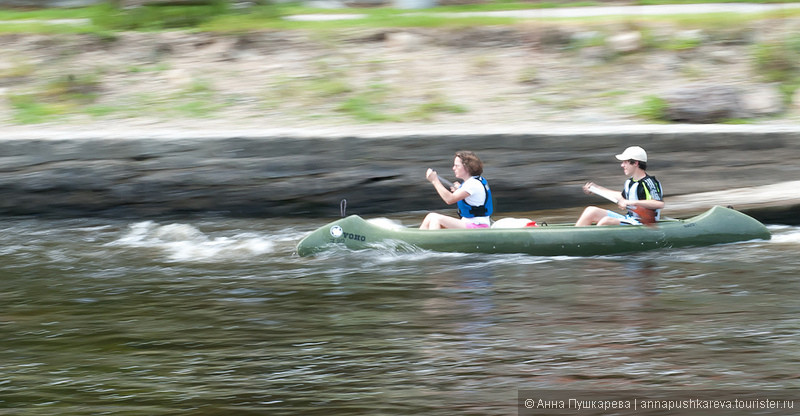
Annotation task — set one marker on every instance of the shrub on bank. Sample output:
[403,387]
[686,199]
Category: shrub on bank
[157,16]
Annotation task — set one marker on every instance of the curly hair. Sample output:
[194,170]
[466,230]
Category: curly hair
[471,162]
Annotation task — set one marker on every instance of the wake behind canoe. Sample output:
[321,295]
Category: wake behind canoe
[715,226]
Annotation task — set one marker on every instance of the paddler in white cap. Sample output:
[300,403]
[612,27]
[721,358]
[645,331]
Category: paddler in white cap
[641,196]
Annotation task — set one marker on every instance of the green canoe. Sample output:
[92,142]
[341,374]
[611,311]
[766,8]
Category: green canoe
[715,226]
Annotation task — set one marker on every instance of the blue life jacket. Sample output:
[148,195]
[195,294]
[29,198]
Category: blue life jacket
[466,210]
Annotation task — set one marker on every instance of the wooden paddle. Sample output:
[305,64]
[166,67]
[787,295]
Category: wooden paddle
[646,216]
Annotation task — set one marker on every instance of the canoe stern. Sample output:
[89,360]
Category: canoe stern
[726,225]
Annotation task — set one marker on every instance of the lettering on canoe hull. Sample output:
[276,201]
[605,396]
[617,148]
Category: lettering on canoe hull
[338,233]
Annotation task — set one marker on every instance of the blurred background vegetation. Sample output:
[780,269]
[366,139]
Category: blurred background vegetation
[775,60]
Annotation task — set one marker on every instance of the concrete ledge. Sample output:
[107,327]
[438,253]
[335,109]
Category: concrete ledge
[776,203]
[779,194]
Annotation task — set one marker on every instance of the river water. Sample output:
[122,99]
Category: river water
[219,316]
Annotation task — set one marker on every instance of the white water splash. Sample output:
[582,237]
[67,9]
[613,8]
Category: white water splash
[386,223]
[183,242]
[785,234]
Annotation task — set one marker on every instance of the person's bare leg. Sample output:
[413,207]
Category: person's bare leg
[426,223]
[435,221]
[609,221]
[431,222]
[590,216]
[450,222]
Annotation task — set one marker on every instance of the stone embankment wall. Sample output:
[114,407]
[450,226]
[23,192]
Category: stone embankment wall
[267,174]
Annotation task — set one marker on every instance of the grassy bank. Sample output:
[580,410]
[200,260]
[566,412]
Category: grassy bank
[341,83]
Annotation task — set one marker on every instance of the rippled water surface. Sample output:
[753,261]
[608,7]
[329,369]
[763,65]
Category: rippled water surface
[219,316]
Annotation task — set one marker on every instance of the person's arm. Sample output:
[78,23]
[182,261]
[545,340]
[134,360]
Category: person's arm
[654,192]
[588,185]
[447,196]
[645,203]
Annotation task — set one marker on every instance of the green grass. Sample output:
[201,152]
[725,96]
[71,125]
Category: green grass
[654,2]
[28,109]
[680,44]
[778,61]
[54,13]
[427,111]
[329,87]
[59,97]
[653,109]
[199,99]
[597,39]
[159,67]
[74,95]
[369,105]
[79,89]
[362,108]
[100,111]
[218,17]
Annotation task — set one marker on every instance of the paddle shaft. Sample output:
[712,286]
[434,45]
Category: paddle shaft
[646,216]
[445,182]
[611,196]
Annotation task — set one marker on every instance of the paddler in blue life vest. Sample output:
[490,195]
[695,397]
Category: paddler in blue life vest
[474,198]
[641,195]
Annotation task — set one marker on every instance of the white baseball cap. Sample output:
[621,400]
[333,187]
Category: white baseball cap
[634,153]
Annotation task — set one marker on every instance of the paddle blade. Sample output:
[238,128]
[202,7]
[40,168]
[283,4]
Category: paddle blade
[646,216]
